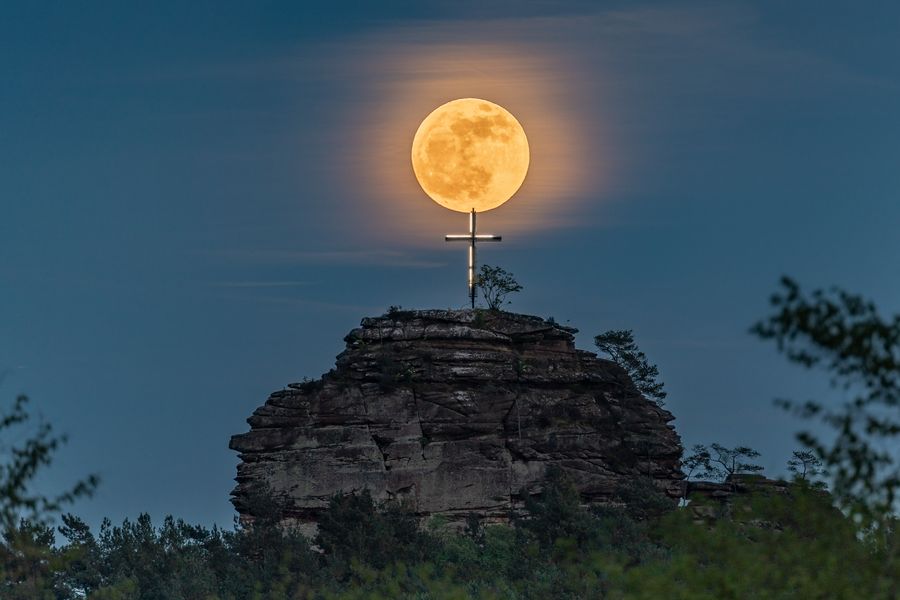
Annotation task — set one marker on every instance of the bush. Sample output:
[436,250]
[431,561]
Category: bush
[354,528]
[557,513]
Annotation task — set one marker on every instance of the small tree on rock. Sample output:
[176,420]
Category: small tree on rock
[620,346]
[496,284]
[720,463]
[696,464]
[804,465]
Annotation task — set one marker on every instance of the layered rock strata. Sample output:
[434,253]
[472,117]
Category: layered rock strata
[455,412]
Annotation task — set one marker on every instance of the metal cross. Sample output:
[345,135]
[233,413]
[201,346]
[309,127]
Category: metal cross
[471,237]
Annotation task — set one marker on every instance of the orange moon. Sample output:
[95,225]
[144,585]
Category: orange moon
[470,154]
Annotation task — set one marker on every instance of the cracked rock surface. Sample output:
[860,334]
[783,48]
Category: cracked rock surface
[455,412]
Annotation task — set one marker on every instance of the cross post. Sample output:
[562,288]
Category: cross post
[471,237]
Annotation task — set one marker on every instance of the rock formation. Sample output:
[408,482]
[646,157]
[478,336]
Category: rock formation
[455,412]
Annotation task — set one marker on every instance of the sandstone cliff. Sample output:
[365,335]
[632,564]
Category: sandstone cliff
[455,412]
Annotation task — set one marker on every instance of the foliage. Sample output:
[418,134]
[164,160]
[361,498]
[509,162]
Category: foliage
[395,311]
[308,385]
[619,345]
[720,463]
[804,465]
[176,560]
[29,565]
[392,372]
[694,464]
[642,499]
[784,547]
[26,458]
[496,284]
[556,513]
[844,335]
[777,546]
[354,527]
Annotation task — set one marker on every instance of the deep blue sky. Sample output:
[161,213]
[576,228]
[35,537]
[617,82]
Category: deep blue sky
[200,199]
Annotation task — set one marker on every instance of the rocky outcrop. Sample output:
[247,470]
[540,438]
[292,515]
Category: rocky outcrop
[709,501]
[455,412]
[712,499]
[736,485]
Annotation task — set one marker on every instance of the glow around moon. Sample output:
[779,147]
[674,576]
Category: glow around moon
[470,154]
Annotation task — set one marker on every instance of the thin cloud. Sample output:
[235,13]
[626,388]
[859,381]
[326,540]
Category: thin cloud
[355,309]
[260,284]
[380,258]
[697,343]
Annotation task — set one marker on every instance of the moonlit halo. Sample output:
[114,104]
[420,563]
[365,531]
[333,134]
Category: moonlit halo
[407,78]
[470,154]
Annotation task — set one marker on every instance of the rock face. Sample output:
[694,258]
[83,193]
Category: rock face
[455,412]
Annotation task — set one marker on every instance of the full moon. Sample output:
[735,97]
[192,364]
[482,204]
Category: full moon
[470,154]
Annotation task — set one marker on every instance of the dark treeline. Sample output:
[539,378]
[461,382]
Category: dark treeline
[805,543]
[763,547]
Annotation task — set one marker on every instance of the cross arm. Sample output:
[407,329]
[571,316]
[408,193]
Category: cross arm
[465,237]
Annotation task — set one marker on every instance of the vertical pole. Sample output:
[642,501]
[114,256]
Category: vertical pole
[472,257]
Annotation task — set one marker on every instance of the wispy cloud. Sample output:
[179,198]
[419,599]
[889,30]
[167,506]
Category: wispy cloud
[380,258]
[696,343]
[260,284]
[356,309]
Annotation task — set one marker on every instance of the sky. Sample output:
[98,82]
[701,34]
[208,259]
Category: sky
[199,200]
